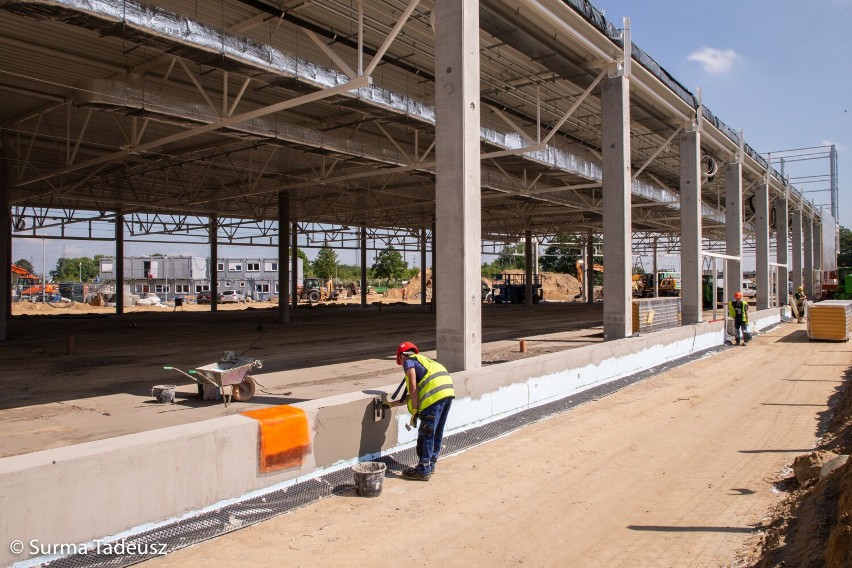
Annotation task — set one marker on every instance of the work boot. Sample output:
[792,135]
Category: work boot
[738,342]
[415,474]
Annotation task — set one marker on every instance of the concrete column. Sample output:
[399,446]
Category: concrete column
[656,269]
[213,231]
[808,249]
[528,269]
[119,263]
[797,248]
[589,271]
[434,267]
[615,125]
[458,195]
[782,243]
[690,226]
[363,267]
[294,262]
[423,267]
[283,255]
[5,255]
[761,235]
[733,227]
[817,236]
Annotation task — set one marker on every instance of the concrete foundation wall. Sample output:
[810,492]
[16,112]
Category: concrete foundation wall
[94,490]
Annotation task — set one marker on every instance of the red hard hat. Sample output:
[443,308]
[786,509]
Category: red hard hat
[405,346]
[738,295]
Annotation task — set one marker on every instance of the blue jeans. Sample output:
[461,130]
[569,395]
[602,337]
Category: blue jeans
[739,325]
[431,433]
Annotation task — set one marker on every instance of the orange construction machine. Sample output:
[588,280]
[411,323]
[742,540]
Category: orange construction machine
[30,283]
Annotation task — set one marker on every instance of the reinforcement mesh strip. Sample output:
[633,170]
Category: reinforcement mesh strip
[211,524]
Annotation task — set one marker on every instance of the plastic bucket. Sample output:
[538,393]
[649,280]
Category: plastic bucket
[368,478]
[165,394]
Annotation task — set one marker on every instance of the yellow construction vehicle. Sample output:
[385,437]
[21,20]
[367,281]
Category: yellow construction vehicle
[580,273]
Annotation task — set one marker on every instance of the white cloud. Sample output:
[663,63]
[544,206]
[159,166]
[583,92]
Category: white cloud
[837,146]
[714,60]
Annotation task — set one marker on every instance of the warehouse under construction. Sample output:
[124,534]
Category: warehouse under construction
[447,130]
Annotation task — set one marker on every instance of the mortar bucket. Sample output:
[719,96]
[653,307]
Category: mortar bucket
[165,394]
[368,478]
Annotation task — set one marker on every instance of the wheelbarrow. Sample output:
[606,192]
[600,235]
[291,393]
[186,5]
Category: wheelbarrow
[231,377]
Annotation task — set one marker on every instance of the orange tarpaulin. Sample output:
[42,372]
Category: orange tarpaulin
[284,437]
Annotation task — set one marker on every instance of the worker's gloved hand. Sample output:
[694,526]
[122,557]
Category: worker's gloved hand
[414,418]
[387,405]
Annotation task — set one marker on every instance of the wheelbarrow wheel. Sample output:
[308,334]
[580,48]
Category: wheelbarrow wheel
[245,390]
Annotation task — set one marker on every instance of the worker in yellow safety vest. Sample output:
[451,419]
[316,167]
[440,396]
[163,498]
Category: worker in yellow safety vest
[801,301]
[738,311]
[429,394]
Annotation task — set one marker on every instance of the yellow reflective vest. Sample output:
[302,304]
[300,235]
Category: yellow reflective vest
[436,384]
[732,311]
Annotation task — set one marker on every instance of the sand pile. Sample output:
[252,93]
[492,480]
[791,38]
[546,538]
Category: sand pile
[813,527]
[412,289]
[557,287]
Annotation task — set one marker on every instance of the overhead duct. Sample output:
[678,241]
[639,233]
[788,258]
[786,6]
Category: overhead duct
[202,44]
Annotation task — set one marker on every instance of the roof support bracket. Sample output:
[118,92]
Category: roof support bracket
[657,152]
[391,37]
[575,106]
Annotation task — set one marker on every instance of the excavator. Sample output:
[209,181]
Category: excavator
[637,283]
[31,283]
[580,272]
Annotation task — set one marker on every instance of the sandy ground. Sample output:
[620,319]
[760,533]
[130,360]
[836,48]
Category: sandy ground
[679,470]
[54,399]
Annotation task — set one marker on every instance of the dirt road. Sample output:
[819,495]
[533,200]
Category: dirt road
[678,470]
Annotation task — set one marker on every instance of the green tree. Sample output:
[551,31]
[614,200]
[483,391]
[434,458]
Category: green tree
[562,256]
[511,257]
[75,269]
[390,265]
[326,262]
[26,265]
[307,265]
[844,255]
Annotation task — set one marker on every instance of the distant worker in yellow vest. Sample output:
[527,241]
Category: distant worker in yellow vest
[429,392]
[800,300]
[738,311]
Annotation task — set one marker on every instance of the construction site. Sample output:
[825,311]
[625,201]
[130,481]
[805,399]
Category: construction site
[603,418]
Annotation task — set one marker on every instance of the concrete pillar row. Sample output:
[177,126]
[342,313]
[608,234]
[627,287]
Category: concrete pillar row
[457,191]
[782,244]
[808,249]
[294,261]
[528,268]
[690,226]
[797,248]
[119,263]
[589,269]
[615,126]
[213,232]
[733,227]
[818,266]
[363,251]
[423,267]
[761,233]
[283,255]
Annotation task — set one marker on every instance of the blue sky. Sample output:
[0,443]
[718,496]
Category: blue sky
[779,70]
